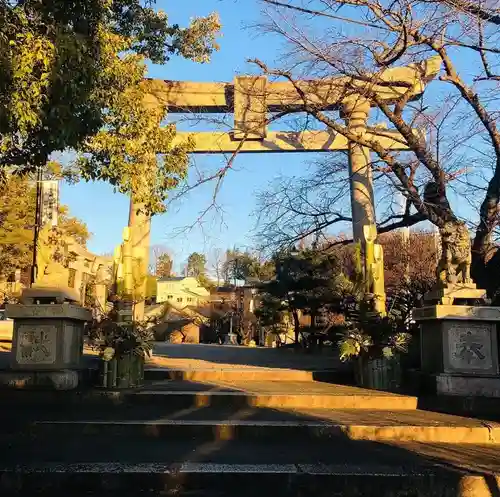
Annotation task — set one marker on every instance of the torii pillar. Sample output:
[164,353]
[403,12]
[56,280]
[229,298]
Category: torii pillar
[355,111]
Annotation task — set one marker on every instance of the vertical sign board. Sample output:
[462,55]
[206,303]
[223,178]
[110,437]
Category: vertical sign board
[50,202]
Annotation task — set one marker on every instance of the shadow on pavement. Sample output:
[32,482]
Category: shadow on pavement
[280,358]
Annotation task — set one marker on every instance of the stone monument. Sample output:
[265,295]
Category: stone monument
[102,282]
[47,343]
[459,338]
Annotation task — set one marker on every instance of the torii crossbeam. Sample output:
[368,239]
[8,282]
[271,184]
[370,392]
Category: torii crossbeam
[252,99]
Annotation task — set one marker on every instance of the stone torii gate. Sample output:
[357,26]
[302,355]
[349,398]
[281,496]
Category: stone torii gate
[251,99]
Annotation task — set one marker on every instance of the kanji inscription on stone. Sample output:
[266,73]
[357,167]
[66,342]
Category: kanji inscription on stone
[470,346]
[36,344]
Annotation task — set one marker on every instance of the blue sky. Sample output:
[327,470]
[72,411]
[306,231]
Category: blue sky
[106,213]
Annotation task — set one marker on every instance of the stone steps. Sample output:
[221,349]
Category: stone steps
[134,448]
[274,434]
[264,411]
[152,413]
[278,430]
[277,400]
[239,373]
[176,395]
[92,465]
[225,480]
[232,373]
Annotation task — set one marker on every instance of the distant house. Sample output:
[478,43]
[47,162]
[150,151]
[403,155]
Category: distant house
[186,325]
[224,293]
[181,291]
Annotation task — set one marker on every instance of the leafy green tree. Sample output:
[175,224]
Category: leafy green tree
[134,152]
[264,271]
[72,226]
[17,220]
[206,282]
[65,63]
[196,265]
[306,282]
[163,267]
[244,265]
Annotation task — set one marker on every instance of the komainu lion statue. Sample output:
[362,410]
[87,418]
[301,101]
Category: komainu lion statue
[455,261]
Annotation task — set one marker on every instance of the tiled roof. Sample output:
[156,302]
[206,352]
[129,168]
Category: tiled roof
[224,289]
[195,294]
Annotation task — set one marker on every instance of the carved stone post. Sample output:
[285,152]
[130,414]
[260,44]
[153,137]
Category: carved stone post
[100,291]
[127,258]
[140,234]
[78,280]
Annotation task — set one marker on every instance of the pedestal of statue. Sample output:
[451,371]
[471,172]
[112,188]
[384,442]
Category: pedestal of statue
[455,294]
[459,343]
[47,344]
[231,339]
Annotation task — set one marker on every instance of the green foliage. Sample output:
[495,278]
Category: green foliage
[272,311]
[114,339]
[17,221]
[134,152]
[353,343]
[237,265]
[308,281]
[367,333]
[243,266]
[65,63]
[56,171]
[196,264]
[205,282]
[313,282]
[163,267]
[72,226]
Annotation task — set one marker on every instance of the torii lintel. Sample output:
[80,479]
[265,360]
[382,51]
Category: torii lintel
[389,84]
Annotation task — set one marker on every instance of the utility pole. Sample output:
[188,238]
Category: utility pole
[405,237]
[38,223]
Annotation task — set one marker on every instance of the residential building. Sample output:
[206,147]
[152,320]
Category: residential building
[181,291]
[190,324]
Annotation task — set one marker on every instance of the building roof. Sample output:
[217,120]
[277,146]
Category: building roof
[224,289]
[174,278]
[194,293]
[174,316]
